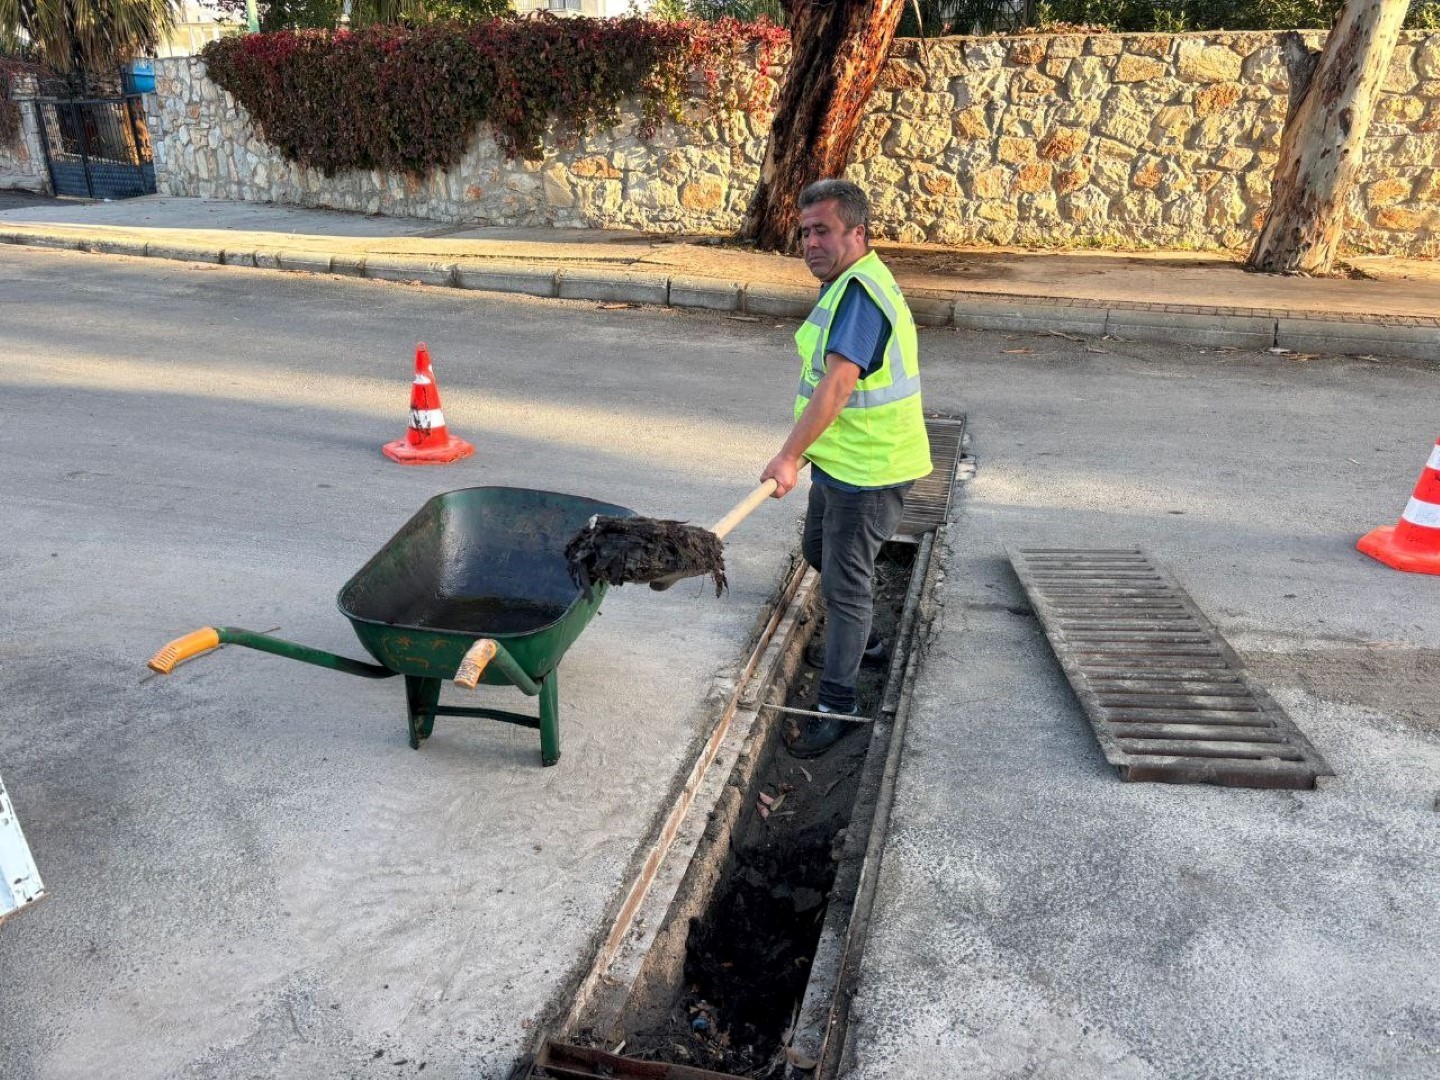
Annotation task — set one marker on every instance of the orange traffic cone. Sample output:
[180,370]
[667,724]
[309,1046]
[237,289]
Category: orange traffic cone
[427,442]
[1414,542]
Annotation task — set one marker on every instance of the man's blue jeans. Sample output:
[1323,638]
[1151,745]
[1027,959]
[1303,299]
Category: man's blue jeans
[843,534]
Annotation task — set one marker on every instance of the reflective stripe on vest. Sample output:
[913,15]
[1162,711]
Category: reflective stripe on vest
[903,384]
[878,439]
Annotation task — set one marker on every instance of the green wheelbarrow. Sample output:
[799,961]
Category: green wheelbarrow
[474,588]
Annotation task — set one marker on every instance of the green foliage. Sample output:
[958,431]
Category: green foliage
[87,35]
[410,99]
[937,18]
[1178,16]
[666,10]
[325,14]
[1424,15]
[466,11]
[740,10]
[298,14]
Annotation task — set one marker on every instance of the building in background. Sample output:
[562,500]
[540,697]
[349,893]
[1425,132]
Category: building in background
[199,22]
[599,9]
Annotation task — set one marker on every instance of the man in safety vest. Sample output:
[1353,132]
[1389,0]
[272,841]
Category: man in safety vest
[859,423]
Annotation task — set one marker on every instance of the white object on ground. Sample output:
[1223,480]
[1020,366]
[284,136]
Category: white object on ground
[20,884]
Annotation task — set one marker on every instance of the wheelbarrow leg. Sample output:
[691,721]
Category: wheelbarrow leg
[550,718]
[421,697]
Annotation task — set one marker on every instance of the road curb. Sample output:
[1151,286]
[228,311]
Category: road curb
[1371,337]
[1195,325]
[410,268]
[1192,328]
[1029,315]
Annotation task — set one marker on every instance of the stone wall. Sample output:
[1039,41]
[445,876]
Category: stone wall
[22,165]
[1114,141]
[695,178]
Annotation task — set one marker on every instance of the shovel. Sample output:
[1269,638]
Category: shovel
[620,550]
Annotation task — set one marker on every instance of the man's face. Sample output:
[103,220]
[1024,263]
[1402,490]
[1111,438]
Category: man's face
[829,246]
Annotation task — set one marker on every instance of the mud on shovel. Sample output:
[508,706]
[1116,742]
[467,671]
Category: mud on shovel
[635,549]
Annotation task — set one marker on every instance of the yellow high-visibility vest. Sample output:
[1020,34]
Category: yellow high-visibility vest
[879,437]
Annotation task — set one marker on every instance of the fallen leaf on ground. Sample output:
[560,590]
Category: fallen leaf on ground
[1067,337]
[742,318]
[1014,352]
[1096,348]
[617,305]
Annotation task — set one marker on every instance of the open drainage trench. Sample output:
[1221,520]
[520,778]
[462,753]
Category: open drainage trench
[745,974]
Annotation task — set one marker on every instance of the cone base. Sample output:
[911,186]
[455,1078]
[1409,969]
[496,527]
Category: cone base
[1381,544]
[438,453]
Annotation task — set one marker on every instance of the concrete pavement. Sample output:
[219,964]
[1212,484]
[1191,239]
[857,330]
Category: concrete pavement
[1177,298]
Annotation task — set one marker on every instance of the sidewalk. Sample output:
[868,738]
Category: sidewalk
[1183,298]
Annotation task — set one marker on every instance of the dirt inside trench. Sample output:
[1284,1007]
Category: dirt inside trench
[748,958]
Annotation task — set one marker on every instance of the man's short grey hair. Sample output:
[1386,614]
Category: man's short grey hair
[850,201]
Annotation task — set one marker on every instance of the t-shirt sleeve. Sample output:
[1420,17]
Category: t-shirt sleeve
[859,330]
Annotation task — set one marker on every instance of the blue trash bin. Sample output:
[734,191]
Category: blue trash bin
[140,77]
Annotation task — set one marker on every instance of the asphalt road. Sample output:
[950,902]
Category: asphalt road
[252,874]
[250,871]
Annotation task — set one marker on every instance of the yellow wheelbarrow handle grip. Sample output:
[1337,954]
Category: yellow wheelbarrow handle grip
[475,662]
[192,644]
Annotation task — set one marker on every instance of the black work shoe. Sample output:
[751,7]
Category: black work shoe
[875,655]
[819,733]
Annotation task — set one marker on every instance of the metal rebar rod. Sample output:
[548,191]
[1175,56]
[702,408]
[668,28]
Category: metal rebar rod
[813,712]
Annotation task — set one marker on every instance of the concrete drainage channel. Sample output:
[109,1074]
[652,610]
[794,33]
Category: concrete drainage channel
[739,943]
[740,975]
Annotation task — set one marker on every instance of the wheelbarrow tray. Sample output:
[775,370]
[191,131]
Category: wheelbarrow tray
[482,562]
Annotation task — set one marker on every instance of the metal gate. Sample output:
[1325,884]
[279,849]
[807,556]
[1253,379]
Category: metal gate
[97,147]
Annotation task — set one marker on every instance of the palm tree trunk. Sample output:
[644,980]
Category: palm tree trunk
[838,48]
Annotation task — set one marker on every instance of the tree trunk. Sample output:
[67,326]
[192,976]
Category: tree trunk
[837,50]
[1323,144]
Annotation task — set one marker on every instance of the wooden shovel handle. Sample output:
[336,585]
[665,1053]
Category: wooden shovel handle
[743,509]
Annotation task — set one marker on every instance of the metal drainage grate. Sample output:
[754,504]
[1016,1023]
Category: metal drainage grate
[1169,700]
[928,503]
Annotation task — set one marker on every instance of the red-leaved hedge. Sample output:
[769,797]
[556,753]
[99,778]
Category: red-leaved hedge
[409,99]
